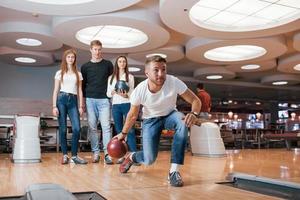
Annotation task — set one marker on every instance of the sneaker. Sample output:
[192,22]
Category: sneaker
[107,160]
[175,179]
[126,164]
[78,160]
[120,160]
[96,158]
[65,160]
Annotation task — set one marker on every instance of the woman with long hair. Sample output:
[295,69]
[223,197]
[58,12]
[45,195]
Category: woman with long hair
[67,91]
[121,97]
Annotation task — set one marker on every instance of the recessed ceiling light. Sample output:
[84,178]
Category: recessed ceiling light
[294,106]
[235,53]
[156,54]
[60,2]
[258,103]
[112,36]
[134,69]
[25,60]
[214,77]
[243,15]
[280,83]
[297,67]
[250,67]
[28,42]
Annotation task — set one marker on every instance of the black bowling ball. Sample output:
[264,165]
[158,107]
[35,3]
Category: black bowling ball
[121,86]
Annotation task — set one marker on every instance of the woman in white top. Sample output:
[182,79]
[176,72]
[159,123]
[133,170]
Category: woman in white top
[67,91]
[121,97]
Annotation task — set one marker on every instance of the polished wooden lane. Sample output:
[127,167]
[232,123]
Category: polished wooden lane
[199,173]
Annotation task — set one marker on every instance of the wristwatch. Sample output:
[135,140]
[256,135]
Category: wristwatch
[195,114]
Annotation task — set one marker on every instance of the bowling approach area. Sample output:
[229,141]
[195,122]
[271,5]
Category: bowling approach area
[150,182]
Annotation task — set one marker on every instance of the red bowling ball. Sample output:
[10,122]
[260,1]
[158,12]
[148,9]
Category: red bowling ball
[117,148]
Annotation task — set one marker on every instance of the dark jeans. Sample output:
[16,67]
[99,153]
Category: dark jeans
[67,105]
[119,113]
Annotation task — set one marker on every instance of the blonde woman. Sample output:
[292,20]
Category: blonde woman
[67,91]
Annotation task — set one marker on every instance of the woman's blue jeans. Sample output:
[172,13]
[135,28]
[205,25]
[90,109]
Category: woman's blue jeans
[151,131]
[119,113]
[67,106]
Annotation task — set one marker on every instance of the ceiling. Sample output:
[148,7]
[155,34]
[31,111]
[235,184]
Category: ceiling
[170,31]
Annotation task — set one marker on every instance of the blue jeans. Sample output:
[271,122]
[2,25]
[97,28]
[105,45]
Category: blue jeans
[98,110]
[119,113]
[151,130]
[67,105]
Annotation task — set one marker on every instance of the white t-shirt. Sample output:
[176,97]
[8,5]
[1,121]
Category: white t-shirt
[118,99]
[69,84]
[160,103]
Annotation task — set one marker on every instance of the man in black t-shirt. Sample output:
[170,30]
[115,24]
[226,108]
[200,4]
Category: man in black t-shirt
[95,74]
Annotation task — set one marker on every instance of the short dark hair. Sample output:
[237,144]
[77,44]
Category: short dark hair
[200,85]
[95,43]
[156,58]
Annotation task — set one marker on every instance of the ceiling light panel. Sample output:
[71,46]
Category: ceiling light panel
[112,36]
[235,53]
[250,67]
[231,52]
[134,69]
[28,36]
[68,7]
[28,42]
[156,54]
[297,67]
[213,73]
[281,79]
[214,77]
[25,60]
[60,2]
[253,66]
[243,15]
[280,83]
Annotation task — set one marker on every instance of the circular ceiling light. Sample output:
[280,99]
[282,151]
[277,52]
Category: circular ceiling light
[156,54]
[213,73]
[235,53]
[280,79]
[214,77]
[25,60]
[243,15]
[250,67]
[279,83]
[297,67]
[60,2]
[134,69]
[29,42]
[112,36]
